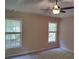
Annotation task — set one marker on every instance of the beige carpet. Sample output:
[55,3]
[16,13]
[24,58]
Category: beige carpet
[50,54]
[56,54]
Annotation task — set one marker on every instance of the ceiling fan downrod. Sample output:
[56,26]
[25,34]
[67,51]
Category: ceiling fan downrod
[56,2]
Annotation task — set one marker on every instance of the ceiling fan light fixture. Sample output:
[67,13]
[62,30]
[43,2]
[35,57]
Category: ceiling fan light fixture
[56,9]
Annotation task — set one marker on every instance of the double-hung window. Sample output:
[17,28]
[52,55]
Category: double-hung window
[13,30]
[52,32]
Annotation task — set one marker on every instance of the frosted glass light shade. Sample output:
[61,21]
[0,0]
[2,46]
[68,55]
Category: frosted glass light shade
[56,9]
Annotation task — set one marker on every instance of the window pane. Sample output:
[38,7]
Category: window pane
[52,27]
[13,26]
[52,37]
[12,40]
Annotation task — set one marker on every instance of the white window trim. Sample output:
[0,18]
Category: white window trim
[15,33]
[52,32]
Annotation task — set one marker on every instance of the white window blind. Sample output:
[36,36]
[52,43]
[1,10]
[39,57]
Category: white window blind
[52,32]
[13,30]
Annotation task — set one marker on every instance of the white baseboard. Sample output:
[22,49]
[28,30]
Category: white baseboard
[67,50]
[33,51]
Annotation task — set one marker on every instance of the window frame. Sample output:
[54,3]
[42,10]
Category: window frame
[56,37]
[15,33]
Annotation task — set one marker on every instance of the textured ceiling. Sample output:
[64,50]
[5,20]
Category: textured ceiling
[34,6]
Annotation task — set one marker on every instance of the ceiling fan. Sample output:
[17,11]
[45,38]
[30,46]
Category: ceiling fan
[57,9]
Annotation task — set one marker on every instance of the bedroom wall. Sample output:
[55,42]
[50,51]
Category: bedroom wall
[67,33]
[34,31]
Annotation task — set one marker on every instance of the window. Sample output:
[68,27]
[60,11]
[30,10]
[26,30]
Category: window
[13,33]
[52,32]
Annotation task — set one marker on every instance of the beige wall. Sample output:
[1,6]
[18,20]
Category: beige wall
[67,33]
[34,31]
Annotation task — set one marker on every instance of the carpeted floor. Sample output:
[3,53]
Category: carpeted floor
[50,54]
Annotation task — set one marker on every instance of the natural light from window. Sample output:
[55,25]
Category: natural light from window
[52,29]
[12,33]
